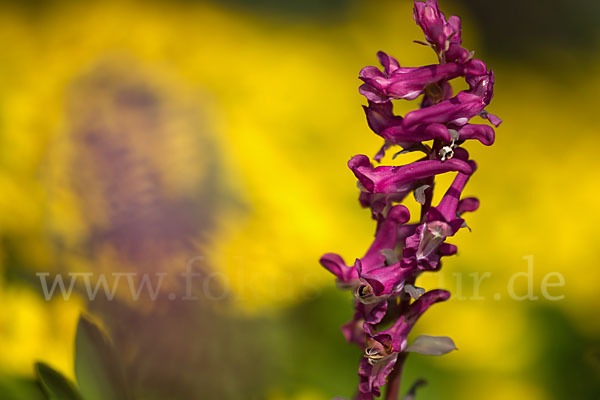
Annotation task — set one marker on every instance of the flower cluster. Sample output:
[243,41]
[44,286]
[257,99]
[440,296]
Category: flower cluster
[387,302]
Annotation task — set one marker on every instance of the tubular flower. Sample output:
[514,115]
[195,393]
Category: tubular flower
[385,238]
[443,35]
[382,349]
[383,279]
[427,245]
[408,83]
[386,179]
[457,110]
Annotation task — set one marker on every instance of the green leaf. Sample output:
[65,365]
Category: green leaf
[54,384]
[98,372]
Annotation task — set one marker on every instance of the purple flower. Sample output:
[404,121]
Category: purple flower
[354,331]
[468,204]
[373,376]
[389,126]
[383,348]
[379,283]
[382,121]
[386,237]
[348,277]
[459,109]
[386,179]
[422,133]
[379,203]
[371,313]
[484,133]
[457,53]
[437,30]
[383,280]
[494,120]
[443,35]
[426,246]
[380,116]
[407,82]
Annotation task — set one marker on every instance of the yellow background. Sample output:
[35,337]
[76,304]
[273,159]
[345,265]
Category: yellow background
[279,105]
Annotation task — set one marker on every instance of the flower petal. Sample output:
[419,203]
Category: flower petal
[347,276]
[459,109]
[386,179]
[484,133]
[448,206]
[389,63]
[468,204]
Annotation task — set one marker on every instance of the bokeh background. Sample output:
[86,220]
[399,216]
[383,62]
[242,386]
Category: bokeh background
[135,136]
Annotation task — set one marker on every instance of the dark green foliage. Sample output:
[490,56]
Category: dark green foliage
[54,384]
[97,368]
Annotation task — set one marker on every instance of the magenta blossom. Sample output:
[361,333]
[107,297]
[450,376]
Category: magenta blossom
[390,127]
[386,237]
[386,179]
[382,349]
[457,110]
[387,304]
[409,83]
[443,35]
[426,246]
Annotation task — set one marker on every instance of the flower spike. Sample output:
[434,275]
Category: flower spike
[387,302]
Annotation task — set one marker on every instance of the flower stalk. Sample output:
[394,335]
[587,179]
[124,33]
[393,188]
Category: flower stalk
[387,303]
